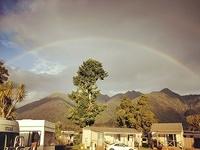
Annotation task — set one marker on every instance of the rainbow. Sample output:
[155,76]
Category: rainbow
[129,43]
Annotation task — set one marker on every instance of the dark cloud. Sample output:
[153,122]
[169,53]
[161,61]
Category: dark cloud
[145,45]
[169,26]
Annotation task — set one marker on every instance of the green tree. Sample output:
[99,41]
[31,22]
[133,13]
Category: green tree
[126,114]
[144,115]
[194,121]
[3,73]
[10,94]
[135,115]
[58,132]
[86,108]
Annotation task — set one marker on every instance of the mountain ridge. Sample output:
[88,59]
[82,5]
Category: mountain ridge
[166,104]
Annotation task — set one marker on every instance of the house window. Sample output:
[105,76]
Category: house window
[118,137]
[161,135]
[130,137]
[171,140]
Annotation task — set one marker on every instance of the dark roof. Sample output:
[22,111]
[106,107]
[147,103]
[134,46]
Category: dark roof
[113,130]
[166,127]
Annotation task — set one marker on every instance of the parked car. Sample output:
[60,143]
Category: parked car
[120,146]
[144,142]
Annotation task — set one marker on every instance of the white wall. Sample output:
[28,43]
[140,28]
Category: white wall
[37,125]
[91,138]
[86,137]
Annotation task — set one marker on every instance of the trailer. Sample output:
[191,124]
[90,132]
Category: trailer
[43,129]
[9,135]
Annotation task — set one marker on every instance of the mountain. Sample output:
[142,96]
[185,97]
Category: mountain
[170,93]
[166,104]
[193,103]
[52,108]
[103,98]
[129,94]
[108,116]
[167,107]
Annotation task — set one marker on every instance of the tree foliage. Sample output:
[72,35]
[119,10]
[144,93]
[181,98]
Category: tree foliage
[135,115]
[3,73]
[58,132]
[86,108]
[126,114]
[194,121]
[145,116]
[10,95]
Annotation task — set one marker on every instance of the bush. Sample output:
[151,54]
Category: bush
[136,143]
[77,139]
[79,147]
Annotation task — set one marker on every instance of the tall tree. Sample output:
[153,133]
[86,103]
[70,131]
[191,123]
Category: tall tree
[10,94]
[3,73]
[144,114]
[86,108]
[194,121]
[126,114]
[135,115]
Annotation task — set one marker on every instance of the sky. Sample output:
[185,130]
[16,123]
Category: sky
[143,45]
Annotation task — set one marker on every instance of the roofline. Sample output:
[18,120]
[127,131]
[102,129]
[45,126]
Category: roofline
[104,129]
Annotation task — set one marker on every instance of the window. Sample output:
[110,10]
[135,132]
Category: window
[130,137]
[31,136]
[171,140]
[2,140]
[118,137]
[49,138]
[161,135]
[35,137]
[7,139]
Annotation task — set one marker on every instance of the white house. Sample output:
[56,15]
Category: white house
[168,134]
[99,137]
[45,129]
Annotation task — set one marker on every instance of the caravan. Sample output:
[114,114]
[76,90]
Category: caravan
[20,135]
[9,135]
[43,130]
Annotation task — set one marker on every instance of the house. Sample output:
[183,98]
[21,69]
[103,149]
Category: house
[99,137]
[44,129]
[168,134]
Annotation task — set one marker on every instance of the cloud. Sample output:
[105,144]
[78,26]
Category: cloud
[136,68]
[173,30]
[32,96]
[111,92]
[62,34]
[7,43]
[41,82]
[41,85]
[42,66]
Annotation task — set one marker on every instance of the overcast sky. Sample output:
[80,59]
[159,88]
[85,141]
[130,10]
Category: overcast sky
[144,45]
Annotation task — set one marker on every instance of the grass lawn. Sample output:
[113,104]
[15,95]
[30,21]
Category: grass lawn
[144,148]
